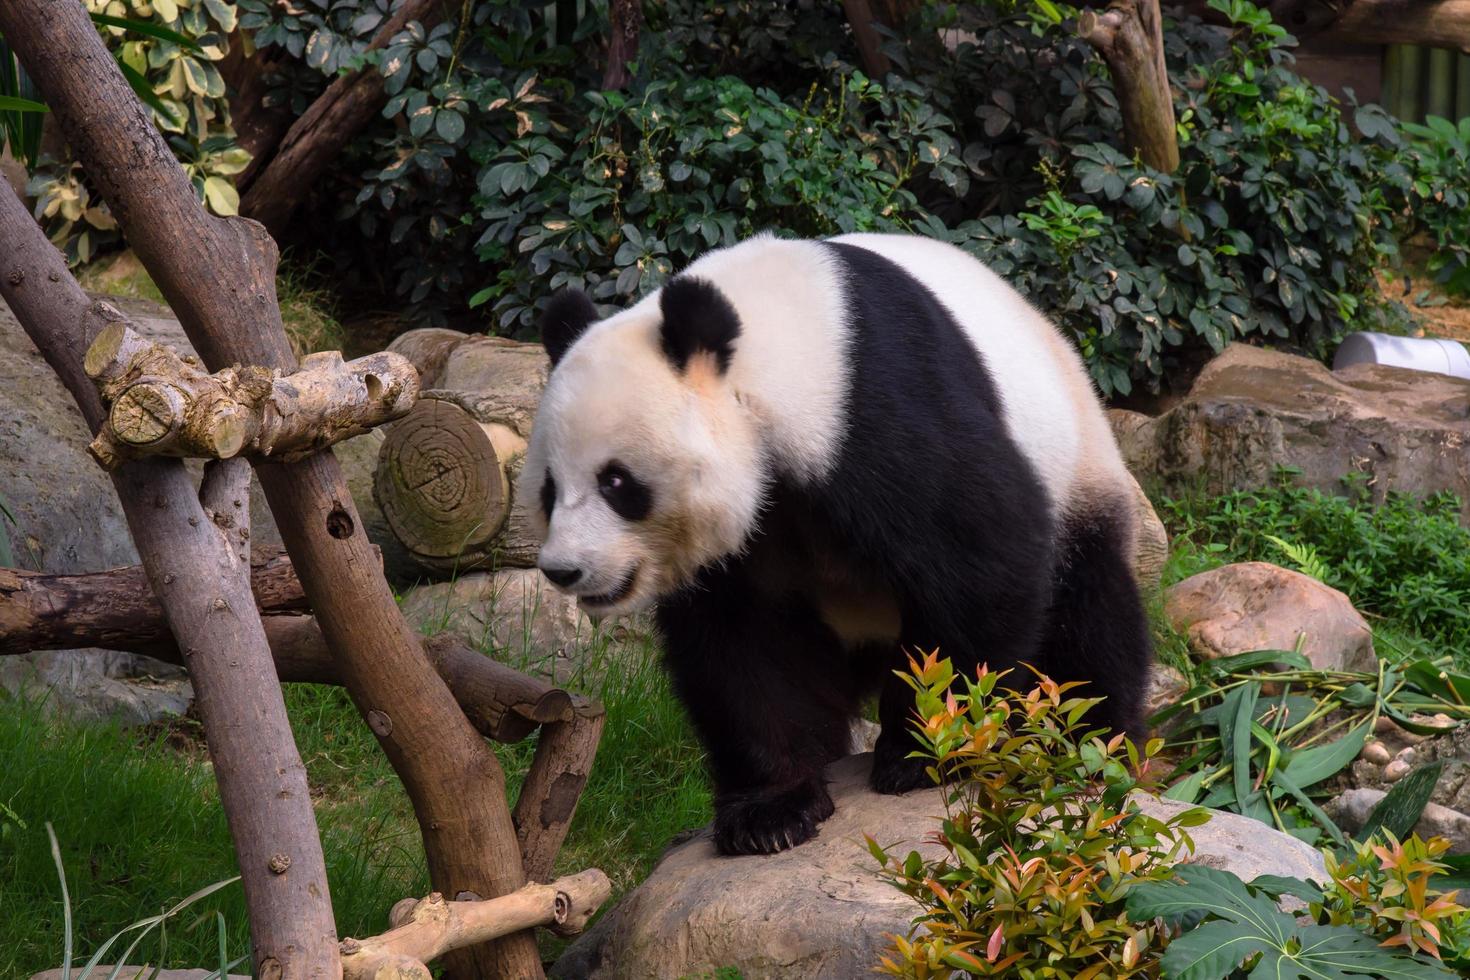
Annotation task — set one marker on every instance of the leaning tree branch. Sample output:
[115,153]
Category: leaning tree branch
[425,930]
[1130,37]
[319,135]
[218,275]
[554,784]
[199,571]
[863,21]
[161,404]
[625,24]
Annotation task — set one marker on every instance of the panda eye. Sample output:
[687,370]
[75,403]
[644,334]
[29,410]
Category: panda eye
[629,497]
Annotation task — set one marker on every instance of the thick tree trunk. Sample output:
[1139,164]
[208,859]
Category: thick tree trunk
[198,568]
[218,275]
[315,140]
[626,18]
[861,18]
[1130,37]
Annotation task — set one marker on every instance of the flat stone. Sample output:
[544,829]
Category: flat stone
[1259,606]
[1252,410]
[820,911]
[1352,808]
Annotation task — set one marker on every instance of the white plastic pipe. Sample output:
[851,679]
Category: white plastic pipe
[1419,353]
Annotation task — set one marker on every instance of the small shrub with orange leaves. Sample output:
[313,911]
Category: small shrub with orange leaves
[1041,845]
[1385,888]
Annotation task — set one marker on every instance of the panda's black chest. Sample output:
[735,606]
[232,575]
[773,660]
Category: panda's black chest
[795,555]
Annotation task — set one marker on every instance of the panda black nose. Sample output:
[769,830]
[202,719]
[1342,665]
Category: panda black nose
[564,577]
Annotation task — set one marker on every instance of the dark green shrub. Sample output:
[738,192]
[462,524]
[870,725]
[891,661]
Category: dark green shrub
[1436,155]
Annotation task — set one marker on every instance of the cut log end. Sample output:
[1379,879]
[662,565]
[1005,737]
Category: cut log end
[441,482]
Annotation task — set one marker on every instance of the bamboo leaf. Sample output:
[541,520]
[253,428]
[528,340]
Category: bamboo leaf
[1307,767]
[148,29]
[1403,805]
[14,103]
[144,91]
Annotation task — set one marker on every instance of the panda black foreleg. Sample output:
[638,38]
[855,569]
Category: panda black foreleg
[972,625]
[768,691]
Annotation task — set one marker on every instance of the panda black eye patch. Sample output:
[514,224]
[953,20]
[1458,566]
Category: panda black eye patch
[548,495]
[629,497]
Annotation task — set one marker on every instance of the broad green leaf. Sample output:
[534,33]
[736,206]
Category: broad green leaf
[1404,803]
[1187,790]
[1239,739]
[222,197]
[1284,780]
[1307,767]
[1429,678]
[1242,923]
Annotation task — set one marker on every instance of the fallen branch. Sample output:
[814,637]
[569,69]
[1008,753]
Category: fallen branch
[162,404]
[328,124]
[1130,37]
[116,609]
[426,930]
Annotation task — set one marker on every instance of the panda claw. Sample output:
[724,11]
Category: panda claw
[768,822]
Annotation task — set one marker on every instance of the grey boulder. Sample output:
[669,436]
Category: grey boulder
[820,911]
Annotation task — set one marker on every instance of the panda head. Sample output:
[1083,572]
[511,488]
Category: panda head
[643,466]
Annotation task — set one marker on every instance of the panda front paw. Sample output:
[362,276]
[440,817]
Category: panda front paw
[895,773]
[770,820]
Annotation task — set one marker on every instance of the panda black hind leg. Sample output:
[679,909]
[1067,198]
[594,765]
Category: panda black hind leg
[767,688]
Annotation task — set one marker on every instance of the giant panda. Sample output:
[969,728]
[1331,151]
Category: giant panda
[811,457]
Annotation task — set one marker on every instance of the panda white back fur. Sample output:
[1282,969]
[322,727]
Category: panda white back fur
[812,456]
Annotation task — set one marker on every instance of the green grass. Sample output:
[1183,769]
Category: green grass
[140,826]
[1404,563]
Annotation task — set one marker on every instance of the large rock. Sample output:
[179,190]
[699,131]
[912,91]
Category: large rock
[820,910]
[515,614]
[68,519]
[1252,410]
[1259,606]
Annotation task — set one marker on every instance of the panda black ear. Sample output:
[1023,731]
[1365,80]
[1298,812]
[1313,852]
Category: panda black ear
[698,319]
[567,314]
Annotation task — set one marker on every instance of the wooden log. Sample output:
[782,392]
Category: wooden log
[447,472]
[1130,37]
[1435,23]
[425,930]
[200,574]
[553,786]
[328,124]
[160,404]
[218,275]
[114,610]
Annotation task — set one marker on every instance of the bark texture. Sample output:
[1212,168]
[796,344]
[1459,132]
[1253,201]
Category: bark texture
[425,930]
[626,25]
[553,785]
[861,18]
[199,570]
[1130,37]
[218,275]
[115,610]
[318,136]
[159,404]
